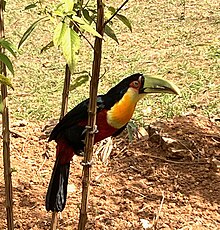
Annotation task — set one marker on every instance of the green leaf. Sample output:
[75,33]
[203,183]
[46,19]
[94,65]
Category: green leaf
[109,32]
[85,26]
[47,47]
[5,81]
[8,45]
[78,19]
[87,16]
[7,62]
[59,13]
[69,41]
[68,5]
[30,6]
[112,9]
[123,19]
[59,33]
[4,5]
[29,31]
[80,81]
[70,45]
[89,29]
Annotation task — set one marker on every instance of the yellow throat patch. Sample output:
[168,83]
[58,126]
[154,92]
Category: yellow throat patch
[122,111]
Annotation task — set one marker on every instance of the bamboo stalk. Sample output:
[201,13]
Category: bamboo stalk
[92,117]
[64,109]
[66,87]
[6,135]
[54,221]
[65,95]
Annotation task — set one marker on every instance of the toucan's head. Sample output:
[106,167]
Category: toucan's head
[121,100]
[143,85]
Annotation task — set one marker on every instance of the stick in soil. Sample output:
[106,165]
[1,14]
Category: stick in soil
[155,221]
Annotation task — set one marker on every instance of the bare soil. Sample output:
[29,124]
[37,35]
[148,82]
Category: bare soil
[177,162]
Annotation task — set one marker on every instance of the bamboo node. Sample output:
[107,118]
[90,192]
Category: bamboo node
[88,163]
[93,130]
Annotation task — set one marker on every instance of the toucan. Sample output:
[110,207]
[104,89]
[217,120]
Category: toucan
[114,110]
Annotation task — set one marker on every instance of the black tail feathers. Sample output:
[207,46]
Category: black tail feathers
[57,190]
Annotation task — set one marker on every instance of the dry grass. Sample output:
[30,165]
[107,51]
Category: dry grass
[178,40]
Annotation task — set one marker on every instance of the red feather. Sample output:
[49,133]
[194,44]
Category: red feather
[65,151]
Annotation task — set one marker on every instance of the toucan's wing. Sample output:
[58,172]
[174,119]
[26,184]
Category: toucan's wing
[74,117]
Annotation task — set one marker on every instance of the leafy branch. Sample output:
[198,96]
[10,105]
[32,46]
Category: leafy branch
[116,12]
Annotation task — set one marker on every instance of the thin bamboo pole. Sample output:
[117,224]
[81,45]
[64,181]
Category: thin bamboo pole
[6,134]
[92,116]
[65,95]
[64,109]
[67,80]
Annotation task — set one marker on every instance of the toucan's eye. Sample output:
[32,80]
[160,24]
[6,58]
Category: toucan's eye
[135,84]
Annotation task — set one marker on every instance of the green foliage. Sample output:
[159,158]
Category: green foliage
[82,79]
[110,32]
[121,17]
[7,62]
[5,81]
[5,59]
[68,4]
[31,6]
[8,46]
[69,41]
[68,25]
[90,15]
[29,31]
[85,26]
[59,32]
[47,47]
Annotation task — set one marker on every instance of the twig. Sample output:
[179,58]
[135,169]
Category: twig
[86,4]
[17,134]
[155,221]
[45,158]
[215,140]
[138,193]
[175,162]
[116,12]
[75,24]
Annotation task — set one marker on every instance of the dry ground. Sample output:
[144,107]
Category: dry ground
[176,161]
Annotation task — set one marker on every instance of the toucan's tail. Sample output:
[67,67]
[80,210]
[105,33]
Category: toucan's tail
[57,190]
